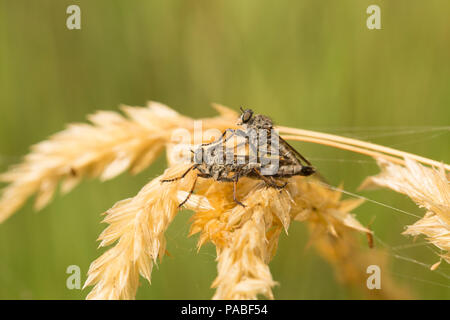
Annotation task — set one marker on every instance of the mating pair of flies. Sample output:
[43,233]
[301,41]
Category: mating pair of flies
[289,162]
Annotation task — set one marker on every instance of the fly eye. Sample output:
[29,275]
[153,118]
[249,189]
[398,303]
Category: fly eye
[247,115]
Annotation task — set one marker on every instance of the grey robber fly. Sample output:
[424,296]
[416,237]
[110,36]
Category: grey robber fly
[217,161]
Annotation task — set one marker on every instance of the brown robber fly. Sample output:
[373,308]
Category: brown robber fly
[268,157]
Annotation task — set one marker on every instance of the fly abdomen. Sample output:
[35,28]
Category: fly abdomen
[294,170]
[307,170]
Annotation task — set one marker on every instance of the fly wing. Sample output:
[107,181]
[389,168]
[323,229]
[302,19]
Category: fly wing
[291,148]
[299,157]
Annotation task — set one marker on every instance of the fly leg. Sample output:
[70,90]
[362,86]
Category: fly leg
[190,193]
[235,181]
[275,185]
[182,176]
[270,181]
[221,137]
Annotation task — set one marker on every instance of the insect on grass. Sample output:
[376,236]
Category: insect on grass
[266,157]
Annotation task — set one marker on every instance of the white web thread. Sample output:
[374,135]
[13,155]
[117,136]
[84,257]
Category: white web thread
[368,200]
[392,251]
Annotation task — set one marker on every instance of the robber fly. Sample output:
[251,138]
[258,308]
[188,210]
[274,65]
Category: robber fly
[259,137]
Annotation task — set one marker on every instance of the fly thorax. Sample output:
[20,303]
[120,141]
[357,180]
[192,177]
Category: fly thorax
[198,156]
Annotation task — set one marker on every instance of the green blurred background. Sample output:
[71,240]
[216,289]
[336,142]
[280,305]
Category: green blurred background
[308,64]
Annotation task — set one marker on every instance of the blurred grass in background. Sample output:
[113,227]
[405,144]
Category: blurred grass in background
[309,64]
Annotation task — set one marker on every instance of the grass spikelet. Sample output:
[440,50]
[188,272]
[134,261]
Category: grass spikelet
[243,271]
[333,232]
[429,189]
[245,238]
[110,145]
[350,260]
[316,203]
[137,225]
